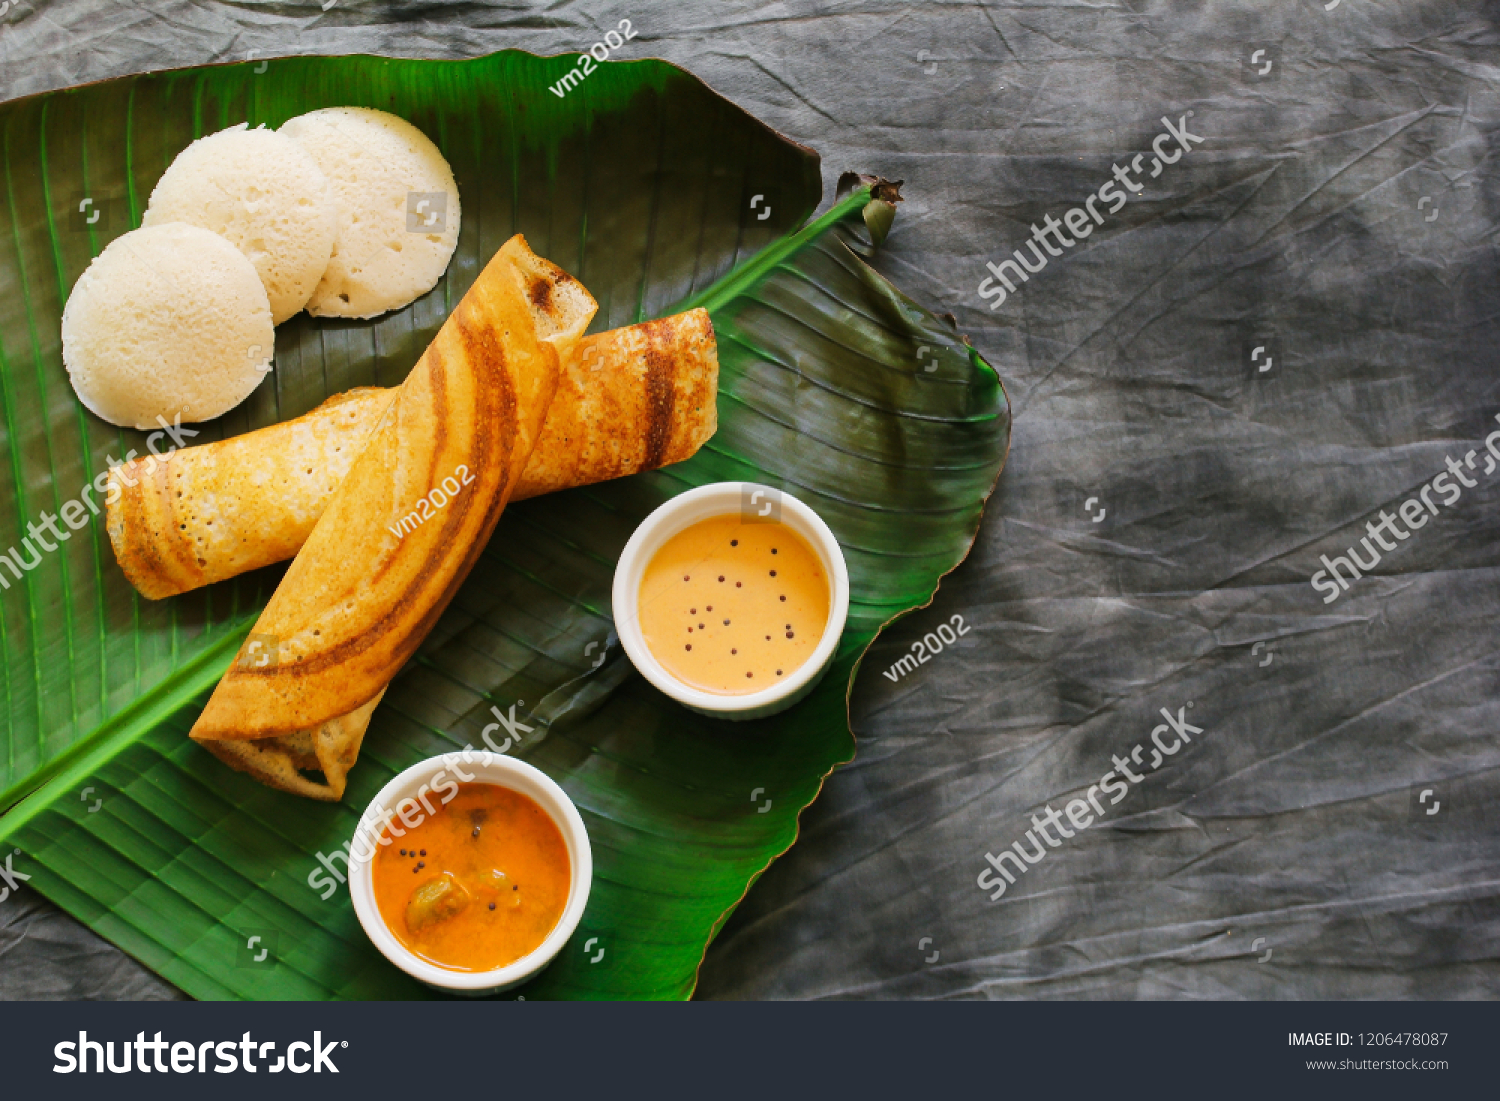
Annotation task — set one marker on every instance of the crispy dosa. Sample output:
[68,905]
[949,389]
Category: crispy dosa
[332,749]
[342,624]
[629,400]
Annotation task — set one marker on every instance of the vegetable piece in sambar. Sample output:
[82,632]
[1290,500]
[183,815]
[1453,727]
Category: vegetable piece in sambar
[477,885]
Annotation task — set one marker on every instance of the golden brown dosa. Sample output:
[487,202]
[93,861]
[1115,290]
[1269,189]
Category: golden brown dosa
[279,762]
[342,624]
[629,400]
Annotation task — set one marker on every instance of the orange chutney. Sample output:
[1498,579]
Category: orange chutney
[478,884]
[732,608]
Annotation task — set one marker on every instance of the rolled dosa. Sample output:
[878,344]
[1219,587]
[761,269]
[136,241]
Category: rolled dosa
[332,748]
[359,598]
[629,400]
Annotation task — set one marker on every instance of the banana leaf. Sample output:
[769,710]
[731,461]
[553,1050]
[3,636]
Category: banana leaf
[658,195]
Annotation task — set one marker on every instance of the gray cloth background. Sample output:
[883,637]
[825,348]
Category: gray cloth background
[1341,214]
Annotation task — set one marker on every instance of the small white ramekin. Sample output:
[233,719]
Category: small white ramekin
[487,768]
[727,499]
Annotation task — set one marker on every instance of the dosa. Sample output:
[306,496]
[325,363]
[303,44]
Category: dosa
[359,599]
[629,400]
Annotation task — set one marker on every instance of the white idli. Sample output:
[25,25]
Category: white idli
[260,191]
[167,320]
[379,168]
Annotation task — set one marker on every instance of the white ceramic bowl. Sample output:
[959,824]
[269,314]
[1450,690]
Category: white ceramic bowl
[722,499]
[488,768]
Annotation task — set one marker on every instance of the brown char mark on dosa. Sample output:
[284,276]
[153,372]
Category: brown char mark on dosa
[149,546]
[484,352]
[661,392]
[481,347]
[541,294]
[142,554]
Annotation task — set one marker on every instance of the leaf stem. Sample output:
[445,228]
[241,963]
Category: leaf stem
[84,758]
[767,259]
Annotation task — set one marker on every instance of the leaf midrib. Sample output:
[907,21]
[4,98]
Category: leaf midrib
[120,730]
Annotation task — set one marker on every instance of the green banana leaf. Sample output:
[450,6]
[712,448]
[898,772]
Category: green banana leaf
[640,181]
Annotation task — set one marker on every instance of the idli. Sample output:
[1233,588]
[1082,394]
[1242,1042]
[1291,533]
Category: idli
[397,209]
[168,320]
[261,192]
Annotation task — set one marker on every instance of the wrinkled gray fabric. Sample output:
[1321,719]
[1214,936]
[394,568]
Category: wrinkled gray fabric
[1328,831]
